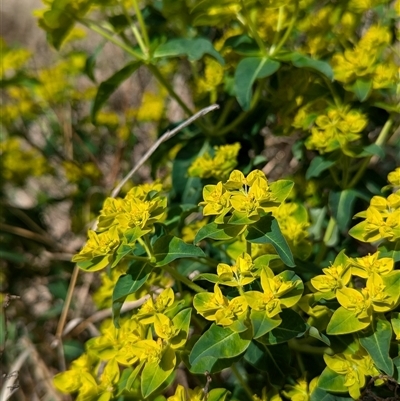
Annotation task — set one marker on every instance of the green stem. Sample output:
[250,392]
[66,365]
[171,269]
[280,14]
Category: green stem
[227,108]
[288,31]
[334,176]
[156,72]
[141,24]
[278,29]
[253,30]
[382,138]
[135,32]
[145,244]
[177,276]
[243,115]
[335,96]
[244,385]
[95,28]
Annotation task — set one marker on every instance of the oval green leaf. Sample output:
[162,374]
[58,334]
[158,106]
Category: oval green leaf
[248,70]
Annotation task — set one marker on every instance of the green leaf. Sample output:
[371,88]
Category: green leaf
[281,189]
[322,395]
[127,284]
[243,45]
[248,70]
[262,324]
[218,394]
[156,373]
[344,321]
[292,325]
[332,381]
[376,340]
[361,88]
[314,332]
[182,322]
[97,263]
[242,218]
[341,204]
[386,250]
[273,359]
[267,231]
[91,62]
[133,376]
[318,165]
[391,281]
[108,86]
[217,343]
[60,19]
[194,48]
[217,232]
[396,362]
[169,248]
[301,61]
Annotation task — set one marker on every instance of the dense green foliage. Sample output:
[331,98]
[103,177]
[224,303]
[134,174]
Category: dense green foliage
[268,280]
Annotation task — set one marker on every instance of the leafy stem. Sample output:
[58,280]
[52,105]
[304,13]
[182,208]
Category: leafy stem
[146,245]
[141,24]
[156,72]
[288,31]
[96,28]
[248,23]
[135,31]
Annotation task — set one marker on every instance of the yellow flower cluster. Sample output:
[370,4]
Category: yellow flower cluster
[363,61]
[19,161]
[336,129]
[354,367]
[152,107]
[18,105]
[239,198]
[382,216]
[130,346]
[213,76]
[378,295]
[219,166]
[12,59]
[279,291]
[122,221]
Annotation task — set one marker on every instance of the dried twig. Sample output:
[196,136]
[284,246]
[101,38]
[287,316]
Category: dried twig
[163,138]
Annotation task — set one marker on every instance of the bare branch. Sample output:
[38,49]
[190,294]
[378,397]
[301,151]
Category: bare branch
[167,135]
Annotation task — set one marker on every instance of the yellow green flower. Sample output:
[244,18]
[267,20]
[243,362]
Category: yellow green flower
[219,166]
[150,308]
[243,272]
[102,244]
[334,278]
[354,367]
[216,200]
[216,307]
[367,265]
[186,394]
[336,129]
[78,379]
[277,292]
